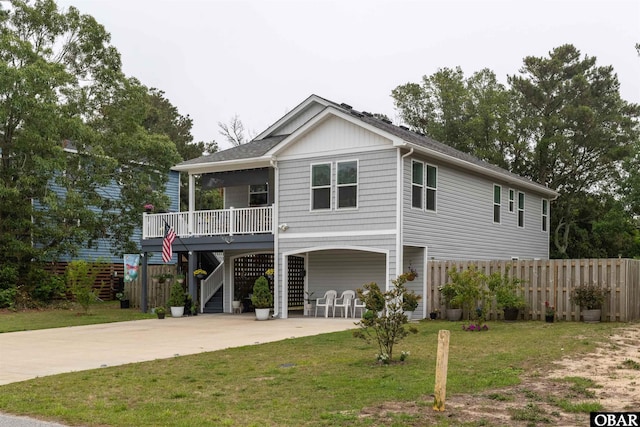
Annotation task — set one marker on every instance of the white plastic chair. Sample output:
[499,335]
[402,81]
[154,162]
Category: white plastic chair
[326,301]
[358,304]
[344,302]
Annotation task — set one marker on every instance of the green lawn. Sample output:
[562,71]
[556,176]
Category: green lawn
[73,315]
[324,380]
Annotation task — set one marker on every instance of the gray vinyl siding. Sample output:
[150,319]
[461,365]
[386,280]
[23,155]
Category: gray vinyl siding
[342,270]
[462,226]
[376,195]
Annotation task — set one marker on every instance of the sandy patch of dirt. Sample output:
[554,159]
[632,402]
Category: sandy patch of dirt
[538,400]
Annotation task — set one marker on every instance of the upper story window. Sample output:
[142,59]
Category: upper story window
[432,186]
[520,209]
[258,195]
[512,200]
[321,186]
[417,183]
[545,214]
[497,203]
[347,184]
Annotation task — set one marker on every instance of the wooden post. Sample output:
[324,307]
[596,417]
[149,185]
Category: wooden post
[442,362]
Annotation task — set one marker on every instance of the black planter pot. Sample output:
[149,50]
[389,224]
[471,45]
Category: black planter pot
[160,315]
[511,314]
[433,316]
[549,318]
[124,303]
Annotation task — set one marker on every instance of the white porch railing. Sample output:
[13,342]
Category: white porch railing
[210,285]
[210,223]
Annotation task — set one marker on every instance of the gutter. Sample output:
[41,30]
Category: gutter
[400,213]
[275,231]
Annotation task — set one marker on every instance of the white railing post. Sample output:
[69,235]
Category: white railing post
[232,221]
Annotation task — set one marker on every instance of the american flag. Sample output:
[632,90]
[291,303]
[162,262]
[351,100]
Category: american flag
[167,243]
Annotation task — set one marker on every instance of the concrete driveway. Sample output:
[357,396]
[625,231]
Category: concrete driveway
[31,354]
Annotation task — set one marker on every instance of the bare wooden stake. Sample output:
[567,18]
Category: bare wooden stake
[442,362]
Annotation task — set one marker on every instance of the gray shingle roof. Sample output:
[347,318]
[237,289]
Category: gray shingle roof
[258,148]
[245,151]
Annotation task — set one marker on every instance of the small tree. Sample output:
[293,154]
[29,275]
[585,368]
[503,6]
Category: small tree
[80,276]
[470,291]
[507,290]
[384,319]
[176,297]
[262,297]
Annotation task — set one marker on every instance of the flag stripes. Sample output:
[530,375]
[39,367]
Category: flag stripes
[167,243]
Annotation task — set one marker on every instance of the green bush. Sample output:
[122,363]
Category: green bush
[176,297]
[80,277]
[384,319]
[8,285]
[507,290]
[262,297]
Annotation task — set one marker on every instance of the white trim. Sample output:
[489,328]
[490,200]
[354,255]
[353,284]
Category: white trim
[524,203]
[299,108]
[311,188]
[421,185]
[494,204]
[351,233]
[338,185]
[512,202]
[544,227]
[427,187]
[350,151]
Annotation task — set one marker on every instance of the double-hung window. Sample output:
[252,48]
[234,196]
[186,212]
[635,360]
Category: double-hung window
[545,214]
[520,209]
[258,195]
[417,183]
[432,186]
[512,200]
[497,203]
[347,184]
[321,186]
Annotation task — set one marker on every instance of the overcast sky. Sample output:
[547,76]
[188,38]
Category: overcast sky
[260,58]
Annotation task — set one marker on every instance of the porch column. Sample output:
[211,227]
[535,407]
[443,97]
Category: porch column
[192,281]
[143,290]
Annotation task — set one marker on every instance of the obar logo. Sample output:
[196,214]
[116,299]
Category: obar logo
[615,419]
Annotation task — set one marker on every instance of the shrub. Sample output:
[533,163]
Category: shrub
[80,277]
[384,319]
[177,296]
[507,290]
[589,296]
[261,297]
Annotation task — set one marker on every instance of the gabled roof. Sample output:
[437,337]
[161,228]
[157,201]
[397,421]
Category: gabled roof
[258,149]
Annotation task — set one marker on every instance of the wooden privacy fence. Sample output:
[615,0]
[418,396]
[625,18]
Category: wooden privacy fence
[553,281]
[157,293]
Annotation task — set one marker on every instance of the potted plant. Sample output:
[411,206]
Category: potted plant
[200,273]
[433,315]
[269,273]
[409,303]
[180,278]
[590,298]
[123,298]
[163,278]
[549,312]
[411,274]
[262,299]
[160,312]
[506,290]
[148,207]
[464,291]
[308,302]
[176,300]
[237,300]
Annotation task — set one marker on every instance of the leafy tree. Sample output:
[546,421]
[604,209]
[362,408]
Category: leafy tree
[70,124]
[577,128]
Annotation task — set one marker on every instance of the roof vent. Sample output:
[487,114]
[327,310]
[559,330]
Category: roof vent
[346,106]
[387,121]
[356,113]
[366,113]
[404,127]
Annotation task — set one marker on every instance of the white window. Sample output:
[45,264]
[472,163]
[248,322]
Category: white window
[347,184]
[432,186]
[512,200]
[321,186]
[520,209]
[497,203]
[545,214]
[417,184]
[258,195]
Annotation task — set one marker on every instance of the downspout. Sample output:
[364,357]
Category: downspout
[400,211]
[275,230]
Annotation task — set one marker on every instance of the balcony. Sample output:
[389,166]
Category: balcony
[223,222]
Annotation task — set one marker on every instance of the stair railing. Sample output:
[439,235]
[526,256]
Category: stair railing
[210,285]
